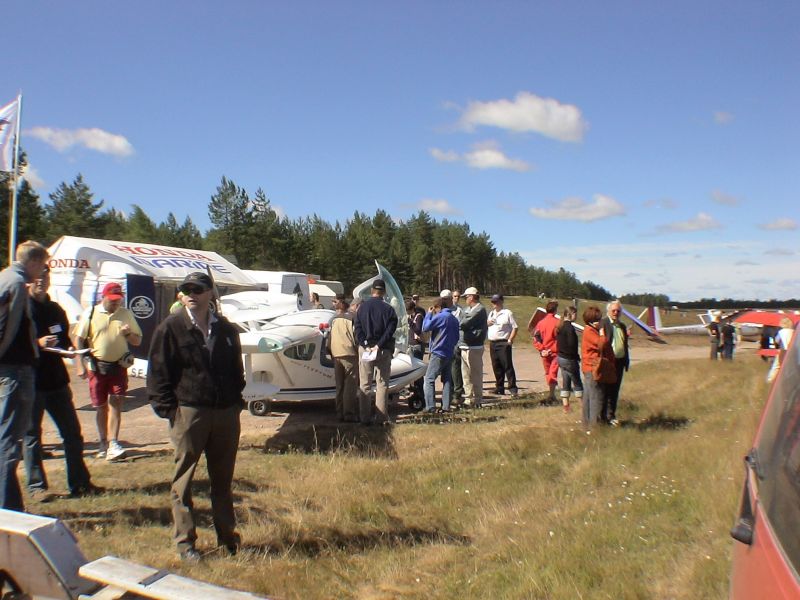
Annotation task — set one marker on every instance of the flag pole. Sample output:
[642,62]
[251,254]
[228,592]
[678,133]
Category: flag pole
[12,224]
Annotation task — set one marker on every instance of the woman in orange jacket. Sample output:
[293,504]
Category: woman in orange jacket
[597,366]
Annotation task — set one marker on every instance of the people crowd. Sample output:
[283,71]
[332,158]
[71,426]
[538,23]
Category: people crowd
[196,377]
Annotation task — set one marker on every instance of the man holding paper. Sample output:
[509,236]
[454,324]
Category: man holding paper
[375,324]
[53,395]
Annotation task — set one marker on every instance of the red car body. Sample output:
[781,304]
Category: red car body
[766,557]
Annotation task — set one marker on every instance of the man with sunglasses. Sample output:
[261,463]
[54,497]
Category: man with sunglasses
[195,379]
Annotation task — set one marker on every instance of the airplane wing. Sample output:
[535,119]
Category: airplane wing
[652,334]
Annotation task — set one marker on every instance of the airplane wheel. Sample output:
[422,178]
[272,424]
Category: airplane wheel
[259,408]
[416,403]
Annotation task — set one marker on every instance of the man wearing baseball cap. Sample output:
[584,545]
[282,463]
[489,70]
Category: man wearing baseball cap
[474,326]
[375,324]
[108,329]
[195,380]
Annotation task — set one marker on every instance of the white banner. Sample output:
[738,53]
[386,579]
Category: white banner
[8,120]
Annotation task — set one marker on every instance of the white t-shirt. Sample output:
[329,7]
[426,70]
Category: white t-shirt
[503,324]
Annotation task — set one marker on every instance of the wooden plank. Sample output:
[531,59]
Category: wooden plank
[148,582]
[117,572]
[175,587]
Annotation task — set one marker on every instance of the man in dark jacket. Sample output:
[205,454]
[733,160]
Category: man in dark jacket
[615,331]
[195,379]
[475,327]
[18,355]
[53,395]
[375,324]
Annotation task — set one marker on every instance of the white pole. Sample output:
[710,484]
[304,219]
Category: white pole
[12,225]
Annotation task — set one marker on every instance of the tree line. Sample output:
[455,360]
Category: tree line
[423,254]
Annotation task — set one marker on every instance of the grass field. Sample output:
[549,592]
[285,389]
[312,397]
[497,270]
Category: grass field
[512,503]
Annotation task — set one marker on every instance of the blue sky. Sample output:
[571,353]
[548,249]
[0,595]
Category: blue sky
[648,148]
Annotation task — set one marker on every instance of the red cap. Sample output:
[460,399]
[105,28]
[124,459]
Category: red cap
[112,291]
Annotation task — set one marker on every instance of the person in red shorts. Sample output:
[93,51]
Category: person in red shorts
[545,341]
[108,329]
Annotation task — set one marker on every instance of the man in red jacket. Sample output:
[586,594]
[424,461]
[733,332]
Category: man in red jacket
[544,340]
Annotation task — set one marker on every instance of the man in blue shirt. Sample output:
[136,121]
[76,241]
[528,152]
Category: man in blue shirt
[444,329]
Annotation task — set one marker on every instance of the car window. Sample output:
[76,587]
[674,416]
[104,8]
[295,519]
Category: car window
[778,457]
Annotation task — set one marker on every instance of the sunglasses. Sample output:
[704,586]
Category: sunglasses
[192,289]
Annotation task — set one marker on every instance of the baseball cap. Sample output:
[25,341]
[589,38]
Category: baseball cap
[113,291]
[378,284]
[497,298]
[196,279]
[445,293]
[470,291]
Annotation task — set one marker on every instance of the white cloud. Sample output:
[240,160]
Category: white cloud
[779,252]
[31,175]
[783,224]
[484,155]
[445,155]
[93,139]
[745,263]
[279,211]
[688,277]
[721,197]
[722,118]
[578,209]
[702,222]
[438,206]
[528,112]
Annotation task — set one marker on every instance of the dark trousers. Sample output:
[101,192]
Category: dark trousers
[214,432]
[457,376]
[612,392]
[714,349]
[58,404]
[503,366]
[16,400]
[418,351]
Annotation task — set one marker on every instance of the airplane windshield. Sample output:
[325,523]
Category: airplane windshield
[394,296]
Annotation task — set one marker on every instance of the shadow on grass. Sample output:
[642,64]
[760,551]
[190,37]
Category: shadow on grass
[658,421]
[319,542]
[314,428]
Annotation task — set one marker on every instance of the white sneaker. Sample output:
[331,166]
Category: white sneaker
[115,451]
[103,448]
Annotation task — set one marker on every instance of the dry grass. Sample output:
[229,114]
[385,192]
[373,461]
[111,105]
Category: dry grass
[523,506]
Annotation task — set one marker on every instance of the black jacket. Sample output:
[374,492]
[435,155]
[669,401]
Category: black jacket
[183,371]
[50,319]
[608,331]
[567,341]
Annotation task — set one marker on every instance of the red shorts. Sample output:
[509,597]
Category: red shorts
[550,364]
[100,386]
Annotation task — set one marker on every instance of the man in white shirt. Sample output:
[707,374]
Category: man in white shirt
[502,331]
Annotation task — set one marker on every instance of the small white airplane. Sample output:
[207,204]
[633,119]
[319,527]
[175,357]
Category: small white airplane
[285,356]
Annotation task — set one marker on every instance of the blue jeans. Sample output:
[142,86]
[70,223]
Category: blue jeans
[438,365]
[58,404]
[16,400]
[570,376]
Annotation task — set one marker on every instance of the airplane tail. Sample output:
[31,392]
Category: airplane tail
[654,318]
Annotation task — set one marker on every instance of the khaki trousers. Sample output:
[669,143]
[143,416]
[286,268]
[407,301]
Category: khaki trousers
[472,369]
[345,370]
[379,372]
[215,433]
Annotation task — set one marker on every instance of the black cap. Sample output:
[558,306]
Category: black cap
[379,284]
[197,278]
[497,298]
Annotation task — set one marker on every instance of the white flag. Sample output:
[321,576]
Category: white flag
[8,120]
